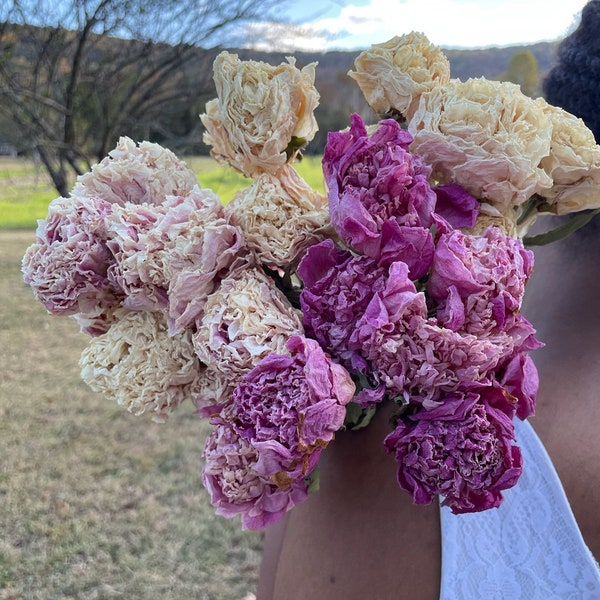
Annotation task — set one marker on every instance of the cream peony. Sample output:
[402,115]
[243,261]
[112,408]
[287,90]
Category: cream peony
[281,216]
[259,111]
[138,364]
[573,164]
[395,74]
[487,136]
[246,319]
[147,173]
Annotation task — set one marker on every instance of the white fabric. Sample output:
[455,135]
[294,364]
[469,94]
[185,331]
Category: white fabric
[529,548]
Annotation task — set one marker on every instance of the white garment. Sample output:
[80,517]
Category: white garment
[530,548]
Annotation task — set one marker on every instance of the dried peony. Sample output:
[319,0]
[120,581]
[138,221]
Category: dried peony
[338,287]
[172,256]
[289,407]
[281,216]
[486,136]
[380,200]
[146,173]
[245,319]
[414,358]
[461,450]
[260,110]
[479,281]
[281,416]
[394,75]
[236,488]
[67,266]
[573,164]
[140,366]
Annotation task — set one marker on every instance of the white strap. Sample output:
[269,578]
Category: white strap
[529,548]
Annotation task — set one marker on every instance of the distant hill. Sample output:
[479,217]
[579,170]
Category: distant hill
[486,62]
[340,96]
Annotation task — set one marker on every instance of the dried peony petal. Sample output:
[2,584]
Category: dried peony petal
[395,74]
[147,173]
[260,110]
[140,366]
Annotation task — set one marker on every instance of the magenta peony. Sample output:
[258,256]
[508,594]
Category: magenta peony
[461,450]
[479,281]
[268,438]
[380,200]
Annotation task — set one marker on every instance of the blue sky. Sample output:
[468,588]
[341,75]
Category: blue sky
[353,24]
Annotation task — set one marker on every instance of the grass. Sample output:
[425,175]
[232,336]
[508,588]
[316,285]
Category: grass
[25,190]
[97,503]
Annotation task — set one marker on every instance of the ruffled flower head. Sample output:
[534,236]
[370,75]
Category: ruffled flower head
[243,321]
[486,136]
[285,411]
[573,164]
[170,257]
[463,451]
[281,216]
[479,281]
[146,173]
[261,113]
[394,75]
[380,200]
[140,366]
[236,487]
[67,266]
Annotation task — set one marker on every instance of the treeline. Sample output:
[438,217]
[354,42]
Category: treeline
[174,120]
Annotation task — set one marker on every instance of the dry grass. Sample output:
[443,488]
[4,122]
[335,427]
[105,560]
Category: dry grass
[96,503]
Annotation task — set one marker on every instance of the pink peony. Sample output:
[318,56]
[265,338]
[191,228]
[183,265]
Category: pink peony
[145,173]
[418,361]
[289,407]
[338,287]
[461,450]
[170,257]
[479,281]
[67,267]
[268,439]
[236,487]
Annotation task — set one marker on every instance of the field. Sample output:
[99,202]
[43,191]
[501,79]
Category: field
[96,503]
[25,190]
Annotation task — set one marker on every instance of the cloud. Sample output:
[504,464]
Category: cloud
[448,23]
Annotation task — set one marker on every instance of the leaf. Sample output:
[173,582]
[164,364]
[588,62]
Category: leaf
[357,417]
[562,231]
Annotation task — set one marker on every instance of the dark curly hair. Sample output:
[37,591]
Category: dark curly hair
[573,83]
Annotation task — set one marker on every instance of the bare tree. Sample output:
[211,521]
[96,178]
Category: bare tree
[76,74]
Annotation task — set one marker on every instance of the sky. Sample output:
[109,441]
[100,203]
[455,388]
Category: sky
[356,24]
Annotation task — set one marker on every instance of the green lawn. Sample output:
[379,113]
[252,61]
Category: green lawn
[26,191]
